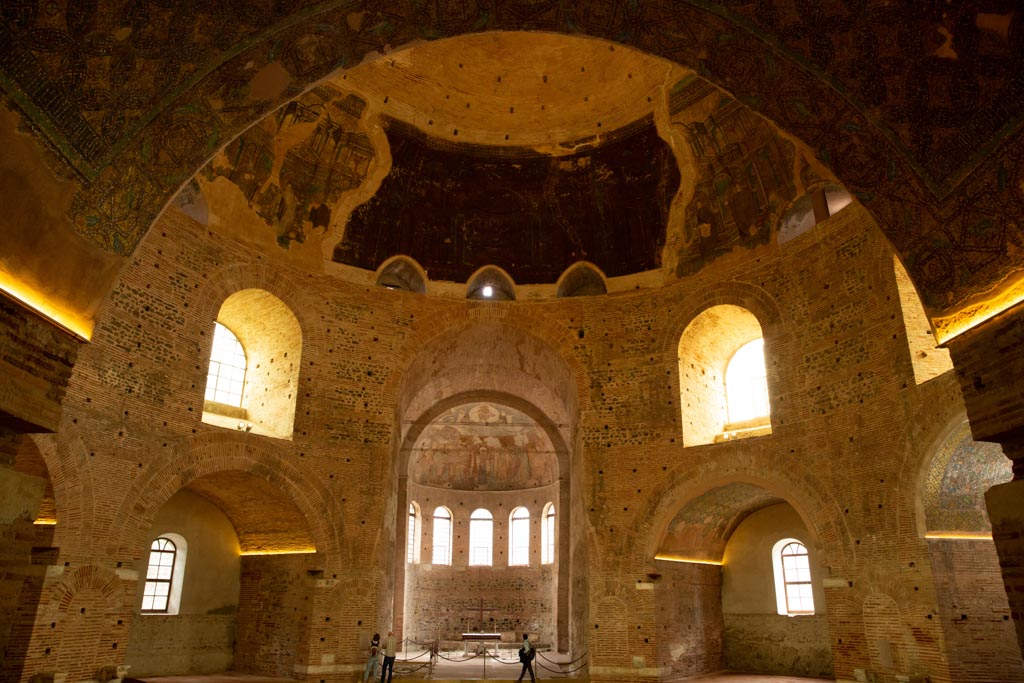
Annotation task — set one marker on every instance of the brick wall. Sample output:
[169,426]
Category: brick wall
[850,427]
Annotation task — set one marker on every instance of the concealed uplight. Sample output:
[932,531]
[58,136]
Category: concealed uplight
[960,535]
[488,291]
[282,551]
[50,309]
[686,560]
[45,522]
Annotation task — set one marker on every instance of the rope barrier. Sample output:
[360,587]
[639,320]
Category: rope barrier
[409,659]
[551,661]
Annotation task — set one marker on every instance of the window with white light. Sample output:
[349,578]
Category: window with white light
[165,572]
[547,535]
[519,537]
[442,536]
[794,594]
[481,537]
[412,553]
[746,386]
[226,379]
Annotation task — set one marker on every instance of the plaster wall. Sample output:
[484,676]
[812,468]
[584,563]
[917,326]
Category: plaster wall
[756,637]
[200,638]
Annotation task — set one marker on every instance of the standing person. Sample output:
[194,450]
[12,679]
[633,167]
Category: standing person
[526,654]
[373,663]
[390,650]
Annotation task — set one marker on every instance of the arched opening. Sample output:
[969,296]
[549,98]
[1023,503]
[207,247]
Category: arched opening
[402,273]
[717,559]
[581,279]
[722,377]
[952,517]
[254,365]
[223,563]
[491,284]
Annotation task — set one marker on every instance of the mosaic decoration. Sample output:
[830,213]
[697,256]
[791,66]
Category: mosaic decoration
[456,208]
[483,446]
[294,185]
[958,476]
[915,106]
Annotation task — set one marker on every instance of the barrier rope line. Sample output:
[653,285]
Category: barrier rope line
[409,659]
[466,659]
[551,661]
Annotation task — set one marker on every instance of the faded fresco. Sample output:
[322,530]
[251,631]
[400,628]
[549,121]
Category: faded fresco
[294,165]
[483,446]
[743,183]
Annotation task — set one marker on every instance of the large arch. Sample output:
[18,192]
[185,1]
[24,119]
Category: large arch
[892,161]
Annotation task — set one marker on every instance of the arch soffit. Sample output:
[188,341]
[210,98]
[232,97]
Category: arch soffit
[751,298]
[211,454]
[432,334]
[424,419]
[820,515]
[238,277]
[682,32]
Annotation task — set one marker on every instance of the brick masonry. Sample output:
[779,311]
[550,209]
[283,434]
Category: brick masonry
[851,433]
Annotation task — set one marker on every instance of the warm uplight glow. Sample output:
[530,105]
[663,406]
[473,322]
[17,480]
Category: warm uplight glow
[73,323]
[282,551]
[688,560]
[960,535]
[968,317]
[45,522]
[488,291]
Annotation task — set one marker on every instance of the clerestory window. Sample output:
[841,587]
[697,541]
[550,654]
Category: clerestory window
[519,537]
[481,538]
[442,536]
[226,379]
[746,386]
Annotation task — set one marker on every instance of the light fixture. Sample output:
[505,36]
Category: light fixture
[686,560]
[959,535]
[488,291]
[244,426]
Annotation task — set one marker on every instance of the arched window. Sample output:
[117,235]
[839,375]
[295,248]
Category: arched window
[746,387]
[547,535]
[481,537]
[412,544]
[226,380]
[442,536]
[793,591]
[164,573]
[519,537]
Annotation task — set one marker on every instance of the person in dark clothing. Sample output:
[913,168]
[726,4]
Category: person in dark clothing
[526,654]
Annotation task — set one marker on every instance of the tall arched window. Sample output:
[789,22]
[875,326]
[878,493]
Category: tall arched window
[226,379]
[164,574]
[519,537]
[412,543]
[793,591]
[481,537]
[547,535]
[746,387]
[442,536]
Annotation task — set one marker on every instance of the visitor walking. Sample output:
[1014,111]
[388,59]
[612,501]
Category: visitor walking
[526,654]
[390,650]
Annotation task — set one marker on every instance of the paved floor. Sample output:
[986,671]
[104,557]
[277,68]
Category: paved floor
[472,669]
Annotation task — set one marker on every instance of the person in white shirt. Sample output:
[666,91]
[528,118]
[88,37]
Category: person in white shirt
[526,654]
[390,651]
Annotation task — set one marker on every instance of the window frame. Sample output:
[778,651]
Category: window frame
[748,382]
[444,515]
[412,543]
[784,579]
[519,530]
[224,336]
[481,538]
[547,534]
[175,579]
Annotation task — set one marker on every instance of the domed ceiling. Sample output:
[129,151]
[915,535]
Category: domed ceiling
[526,151]
[483,446]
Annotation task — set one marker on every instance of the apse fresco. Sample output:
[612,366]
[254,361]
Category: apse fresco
[483,446]
[744,178]
[458,207]
[701,528]
[294,165]
[959,474]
